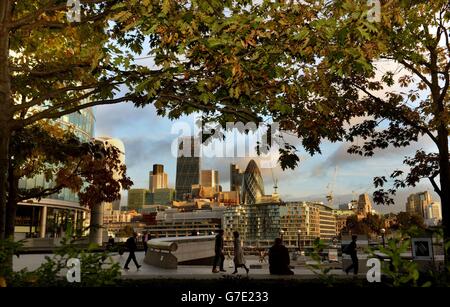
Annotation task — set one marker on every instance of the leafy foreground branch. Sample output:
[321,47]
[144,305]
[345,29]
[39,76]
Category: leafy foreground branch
[96,268]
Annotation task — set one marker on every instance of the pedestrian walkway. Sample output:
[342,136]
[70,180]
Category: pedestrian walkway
[33,261]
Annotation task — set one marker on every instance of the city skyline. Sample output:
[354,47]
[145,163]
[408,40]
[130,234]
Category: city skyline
[307,182]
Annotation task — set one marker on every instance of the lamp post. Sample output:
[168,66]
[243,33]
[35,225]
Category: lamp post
[383,231]
[299,232]
[281,234]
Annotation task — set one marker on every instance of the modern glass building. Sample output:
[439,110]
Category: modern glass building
[188,166]
[257,224]
[252,184]
[52,216]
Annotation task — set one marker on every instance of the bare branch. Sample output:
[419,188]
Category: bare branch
[404,118]
[52,115]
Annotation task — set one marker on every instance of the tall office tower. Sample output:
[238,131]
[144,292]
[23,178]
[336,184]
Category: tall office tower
[157,178]
[364,205]
[137,198]
[188,166]
[210,178]
[253,185]
[418,203]
[235,178]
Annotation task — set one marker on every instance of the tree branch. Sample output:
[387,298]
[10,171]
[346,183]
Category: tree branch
[434,184]
[405,119]
[28,20]
[49,115]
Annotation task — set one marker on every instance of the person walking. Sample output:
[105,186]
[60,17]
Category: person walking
[145,239]
[279,259]
[351,250]
[219,257]
[131,245]
[239,260]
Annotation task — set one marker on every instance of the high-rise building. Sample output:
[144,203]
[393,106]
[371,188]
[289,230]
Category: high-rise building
[364,205]
[188,166]
[210,179]
[157,178]
[252,185]
[418,203]
[235,178]
[137,199]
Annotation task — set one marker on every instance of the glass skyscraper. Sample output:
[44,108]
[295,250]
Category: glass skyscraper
[252,184]
[188,166]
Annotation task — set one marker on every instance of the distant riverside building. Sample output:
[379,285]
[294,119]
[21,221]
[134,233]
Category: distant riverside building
[188,166]
[210,178]
[341,219]
[434,211]
[157,178]
[163,196]
[137,199]
[228,198]
[418,203]
[257,224]
[348,206]
[252,185]
[314,220]
[364,206]
[235,178]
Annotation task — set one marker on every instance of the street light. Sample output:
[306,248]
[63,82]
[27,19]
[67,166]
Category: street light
[299,232]
[383,231]
[281,234]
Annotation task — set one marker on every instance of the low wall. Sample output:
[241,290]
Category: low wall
[169,252]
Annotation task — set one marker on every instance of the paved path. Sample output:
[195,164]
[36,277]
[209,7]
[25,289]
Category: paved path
[33,261]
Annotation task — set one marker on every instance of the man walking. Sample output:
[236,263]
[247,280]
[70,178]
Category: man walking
[219,253]
[131,245]
[352,251]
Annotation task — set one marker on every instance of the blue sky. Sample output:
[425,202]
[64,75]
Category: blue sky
[148,140]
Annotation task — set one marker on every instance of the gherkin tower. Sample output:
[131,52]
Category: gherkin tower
[252,184]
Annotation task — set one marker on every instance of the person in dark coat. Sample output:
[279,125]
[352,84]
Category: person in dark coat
[145,238]
[239,260]
[219,257]
[279,259]
[131,246]
[351,249]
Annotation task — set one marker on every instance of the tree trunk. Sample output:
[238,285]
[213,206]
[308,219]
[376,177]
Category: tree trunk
[4,152]
[444,177]
[5,106]
[11,205]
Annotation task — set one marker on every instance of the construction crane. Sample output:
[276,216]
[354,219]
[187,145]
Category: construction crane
[331,186]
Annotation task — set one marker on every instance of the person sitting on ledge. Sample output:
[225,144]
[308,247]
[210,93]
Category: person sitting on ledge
[279,259]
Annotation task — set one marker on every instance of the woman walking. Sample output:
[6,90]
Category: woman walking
[239,261]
